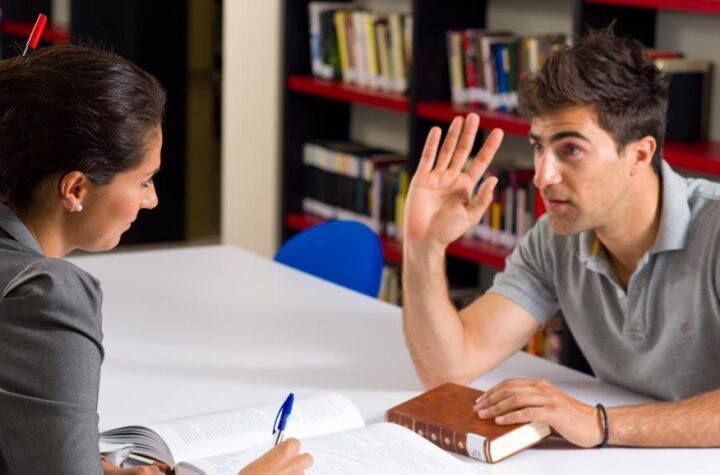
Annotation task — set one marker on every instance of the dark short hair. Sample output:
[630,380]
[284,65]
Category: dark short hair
[615,76]
[69,107]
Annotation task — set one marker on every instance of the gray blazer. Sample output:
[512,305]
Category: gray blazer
[50,356]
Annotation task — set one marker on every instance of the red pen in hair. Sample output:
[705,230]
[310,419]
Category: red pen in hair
[36,33]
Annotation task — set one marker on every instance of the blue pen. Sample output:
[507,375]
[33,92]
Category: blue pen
[282,416]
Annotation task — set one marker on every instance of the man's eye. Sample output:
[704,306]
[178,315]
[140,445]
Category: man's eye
[572,150]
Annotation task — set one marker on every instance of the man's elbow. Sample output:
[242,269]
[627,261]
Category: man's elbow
[431,380]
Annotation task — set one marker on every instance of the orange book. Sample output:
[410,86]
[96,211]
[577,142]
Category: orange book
[444,416]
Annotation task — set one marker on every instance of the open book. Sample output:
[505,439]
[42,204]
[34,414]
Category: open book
[329,426]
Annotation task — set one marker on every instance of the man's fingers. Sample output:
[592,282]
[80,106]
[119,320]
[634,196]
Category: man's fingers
[524,415]
[485,155]
[482,198]
[427,159]
[514,402]
[502,389]
[449,144]
[465,144]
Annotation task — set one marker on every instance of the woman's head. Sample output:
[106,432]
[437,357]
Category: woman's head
[72,108]
[75,120]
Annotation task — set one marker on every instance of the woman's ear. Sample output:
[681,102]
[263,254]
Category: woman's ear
[73,189]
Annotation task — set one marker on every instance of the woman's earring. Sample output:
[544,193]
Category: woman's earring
[77,208]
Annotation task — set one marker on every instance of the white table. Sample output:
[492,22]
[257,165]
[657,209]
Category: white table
[195,330]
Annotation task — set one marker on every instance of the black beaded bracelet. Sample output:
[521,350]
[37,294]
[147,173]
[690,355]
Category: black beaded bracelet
[606,430]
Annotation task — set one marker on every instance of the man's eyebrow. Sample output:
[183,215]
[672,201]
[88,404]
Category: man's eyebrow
[155,172]
[559,136]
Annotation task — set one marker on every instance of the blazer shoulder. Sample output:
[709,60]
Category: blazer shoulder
[57,290]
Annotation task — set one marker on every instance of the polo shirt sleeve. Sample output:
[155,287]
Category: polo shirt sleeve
[526,279]
[50,357]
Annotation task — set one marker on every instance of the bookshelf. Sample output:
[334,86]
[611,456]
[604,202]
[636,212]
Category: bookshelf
[315,108]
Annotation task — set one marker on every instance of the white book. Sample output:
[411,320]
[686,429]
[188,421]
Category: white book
[329,426]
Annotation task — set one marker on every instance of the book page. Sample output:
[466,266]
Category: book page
[377,449]
[229,431]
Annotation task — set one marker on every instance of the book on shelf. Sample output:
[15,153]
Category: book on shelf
[486,66]
[390,285]
[324,54]
[513,210]
[329,426]
[349,180]
[444,416]
[360,46]
[546,342]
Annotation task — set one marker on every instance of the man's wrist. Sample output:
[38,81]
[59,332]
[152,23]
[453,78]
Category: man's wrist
[423,251]
[603,423]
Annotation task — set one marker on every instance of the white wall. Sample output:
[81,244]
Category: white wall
[251,124]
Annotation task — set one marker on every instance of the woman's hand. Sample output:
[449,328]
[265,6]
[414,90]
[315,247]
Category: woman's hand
[285,459]
[440,203]
[110,469]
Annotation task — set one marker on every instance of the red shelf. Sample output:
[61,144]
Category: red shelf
[479,251]
[698,6]
[349,93]
[23,29]
[446,112]
[469,249]
[702,156]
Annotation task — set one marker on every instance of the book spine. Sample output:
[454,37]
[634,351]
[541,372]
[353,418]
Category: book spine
[470,445]
[339,19]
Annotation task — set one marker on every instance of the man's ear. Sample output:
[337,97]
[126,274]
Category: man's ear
[73,188]
[641,153]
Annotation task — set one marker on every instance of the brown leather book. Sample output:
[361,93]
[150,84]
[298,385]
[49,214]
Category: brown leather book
[444,416]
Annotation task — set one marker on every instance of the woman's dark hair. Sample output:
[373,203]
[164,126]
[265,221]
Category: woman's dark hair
[70,107]
[615,76]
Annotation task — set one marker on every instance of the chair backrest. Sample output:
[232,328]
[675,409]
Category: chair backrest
[347,253]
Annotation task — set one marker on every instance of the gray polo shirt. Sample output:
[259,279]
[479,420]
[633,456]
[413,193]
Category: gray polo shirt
[661,337]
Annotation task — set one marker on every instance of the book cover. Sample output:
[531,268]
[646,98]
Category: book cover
[444,416]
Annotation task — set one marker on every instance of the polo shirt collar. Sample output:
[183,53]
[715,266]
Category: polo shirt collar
[12,225]
[675,214]
[674,219]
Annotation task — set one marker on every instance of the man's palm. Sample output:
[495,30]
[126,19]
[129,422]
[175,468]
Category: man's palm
[440,204]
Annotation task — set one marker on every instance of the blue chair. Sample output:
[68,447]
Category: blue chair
[347,253]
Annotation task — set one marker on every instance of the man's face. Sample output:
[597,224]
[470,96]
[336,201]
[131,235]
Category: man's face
[584,181]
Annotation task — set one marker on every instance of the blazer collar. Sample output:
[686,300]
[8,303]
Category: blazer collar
[13,226]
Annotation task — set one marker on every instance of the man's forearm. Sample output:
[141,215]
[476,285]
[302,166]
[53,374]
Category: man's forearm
[693,422]
[432,326]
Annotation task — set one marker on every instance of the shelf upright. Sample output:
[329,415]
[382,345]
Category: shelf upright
[305,116]
[429,77]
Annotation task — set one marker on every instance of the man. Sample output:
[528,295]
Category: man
[628,250]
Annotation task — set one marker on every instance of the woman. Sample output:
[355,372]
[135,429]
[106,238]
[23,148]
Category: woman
[80,140]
